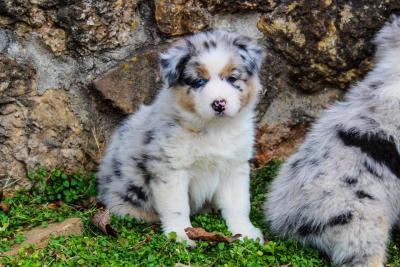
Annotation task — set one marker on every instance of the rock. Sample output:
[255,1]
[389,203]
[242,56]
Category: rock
[4,41]
[278,141]
[25,17]
[51,71]
[327,43]
[133,82]
[98,25]
[17,83]
[40,236]
[56,137]
[14,8]
[245,24]
[37,130]
[51,52]
[177,17]
[291,106]
[286,121]
[83,26]
[54,38]
[314,51]
[216,6]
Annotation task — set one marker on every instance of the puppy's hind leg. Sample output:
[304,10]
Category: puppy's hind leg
[359,241]
[119,205]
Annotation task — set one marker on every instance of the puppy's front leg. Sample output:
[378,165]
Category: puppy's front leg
[233,198]
[171,199]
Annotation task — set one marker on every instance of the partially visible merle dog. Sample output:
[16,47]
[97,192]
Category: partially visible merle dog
[192,145]
[341,191]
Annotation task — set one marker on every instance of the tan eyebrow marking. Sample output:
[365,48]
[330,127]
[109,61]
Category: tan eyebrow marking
[227,70]
[203,72]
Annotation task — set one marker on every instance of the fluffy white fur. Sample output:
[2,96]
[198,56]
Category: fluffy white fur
[341,191]
[169,159]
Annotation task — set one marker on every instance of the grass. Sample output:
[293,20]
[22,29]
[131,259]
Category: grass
[138,244]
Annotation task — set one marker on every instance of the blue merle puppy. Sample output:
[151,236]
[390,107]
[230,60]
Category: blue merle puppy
[192,145]
[341,191]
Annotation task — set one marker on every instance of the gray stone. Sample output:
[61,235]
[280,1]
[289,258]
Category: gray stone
[4,40]
[245,24]
[52,71]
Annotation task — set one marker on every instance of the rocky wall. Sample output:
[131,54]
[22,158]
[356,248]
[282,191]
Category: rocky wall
[70,70]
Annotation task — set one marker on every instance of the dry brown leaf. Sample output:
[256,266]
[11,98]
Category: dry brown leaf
[199,234]
[7,194]
[4,206]
[54,205]
[102,220]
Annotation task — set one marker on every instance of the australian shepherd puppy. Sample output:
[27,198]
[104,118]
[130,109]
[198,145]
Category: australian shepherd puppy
[193,144]
[341,191]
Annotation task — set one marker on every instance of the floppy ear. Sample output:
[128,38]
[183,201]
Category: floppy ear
[173,62]
[251,53]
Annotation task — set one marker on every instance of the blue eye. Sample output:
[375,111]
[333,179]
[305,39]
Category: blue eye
[231,79]
[198,83]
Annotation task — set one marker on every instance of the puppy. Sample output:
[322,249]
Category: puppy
[341,191]
[192,145]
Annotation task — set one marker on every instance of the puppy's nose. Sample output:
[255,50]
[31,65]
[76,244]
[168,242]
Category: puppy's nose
[219,105]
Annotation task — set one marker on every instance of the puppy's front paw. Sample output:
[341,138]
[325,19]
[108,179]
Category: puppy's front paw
[251,232]
[254,233]
[180,236]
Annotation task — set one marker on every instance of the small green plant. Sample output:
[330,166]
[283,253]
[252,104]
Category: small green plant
[138,243]
[59,186]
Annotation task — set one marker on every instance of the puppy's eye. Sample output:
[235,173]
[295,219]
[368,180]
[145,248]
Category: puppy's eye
[199,83]
[231,79]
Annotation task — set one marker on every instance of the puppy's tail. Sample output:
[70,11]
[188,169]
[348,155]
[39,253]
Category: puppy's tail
[389,36]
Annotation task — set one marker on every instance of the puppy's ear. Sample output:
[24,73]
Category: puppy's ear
[173,62]
[251,53]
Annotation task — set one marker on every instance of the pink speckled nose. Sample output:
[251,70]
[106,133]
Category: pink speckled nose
[219,105]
